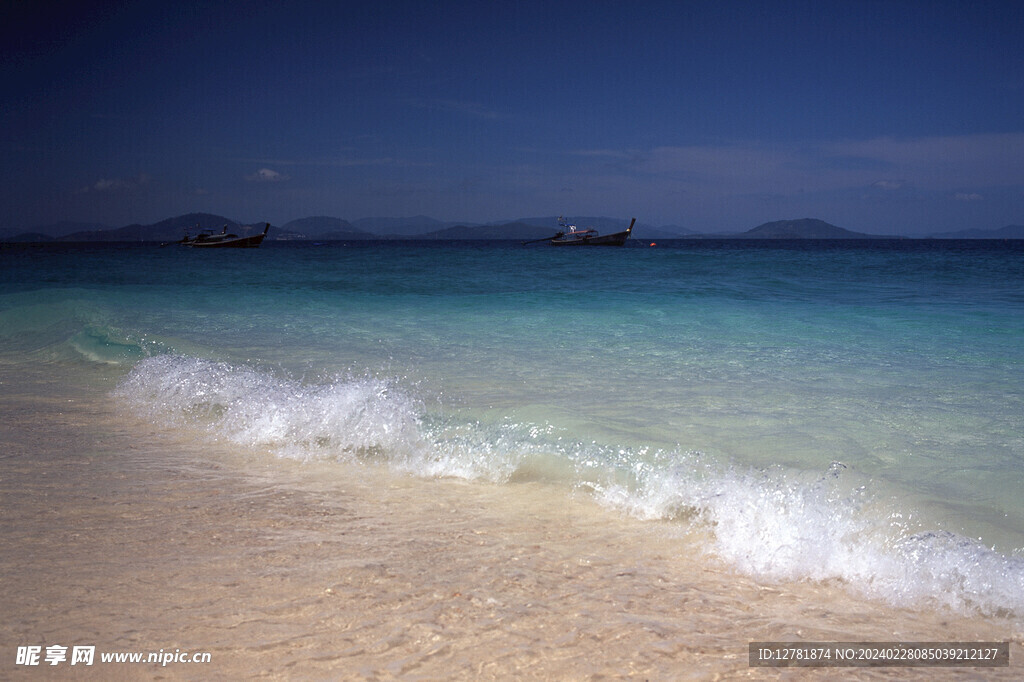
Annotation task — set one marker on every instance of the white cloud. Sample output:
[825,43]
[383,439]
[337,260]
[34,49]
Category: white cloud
[266,175]
[968,196]
[945,165]
[103,185]
[942,163]
[115,184]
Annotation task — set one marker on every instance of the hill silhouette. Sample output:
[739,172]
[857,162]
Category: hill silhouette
[171,229]
[323,227]
[506,231]
[804,228]
[1008,232]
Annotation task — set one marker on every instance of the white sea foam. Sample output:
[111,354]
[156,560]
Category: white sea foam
[343,418]
[781,525]
[776,525]
[346,418]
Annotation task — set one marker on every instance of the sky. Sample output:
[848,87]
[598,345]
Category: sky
[887,117]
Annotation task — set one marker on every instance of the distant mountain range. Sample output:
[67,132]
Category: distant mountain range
[171,229]
[323,227]
[327,228]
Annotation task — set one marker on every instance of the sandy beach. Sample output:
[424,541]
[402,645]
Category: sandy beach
[131,539]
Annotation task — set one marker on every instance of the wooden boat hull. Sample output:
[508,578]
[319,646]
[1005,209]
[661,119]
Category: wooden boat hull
[228,241]
[615,239]
[239,243]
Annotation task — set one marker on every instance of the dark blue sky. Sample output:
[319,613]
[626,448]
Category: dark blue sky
[884,117]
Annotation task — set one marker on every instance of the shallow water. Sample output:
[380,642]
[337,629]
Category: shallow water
[826,422]
[132,538]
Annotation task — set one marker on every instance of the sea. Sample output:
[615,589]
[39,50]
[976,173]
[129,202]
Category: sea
[836,413]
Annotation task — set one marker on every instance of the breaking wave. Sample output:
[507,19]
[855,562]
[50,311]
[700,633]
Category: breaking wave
[774,524]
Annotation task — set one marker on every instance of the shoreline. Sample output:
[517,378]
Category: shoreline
[130,538]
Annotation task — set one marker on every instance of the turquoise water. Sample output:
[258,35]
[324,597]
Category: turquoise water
[821,410]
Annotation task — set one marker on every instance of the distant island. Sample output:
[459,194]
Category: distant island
[805,228]
[327,228]
[1008,232]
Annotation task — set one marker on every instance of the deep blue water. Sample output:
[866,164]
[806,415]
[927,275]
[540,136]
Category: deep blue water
[849,410]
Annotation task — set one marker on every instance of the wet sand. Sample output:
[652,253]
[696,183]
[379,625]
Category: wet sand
[122,536]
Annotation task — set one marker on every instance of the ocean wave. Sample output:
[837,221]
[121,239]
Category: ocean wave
[776,524]
[353,418]
[107,345]
[345,418]
[63,326]
[784,525]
